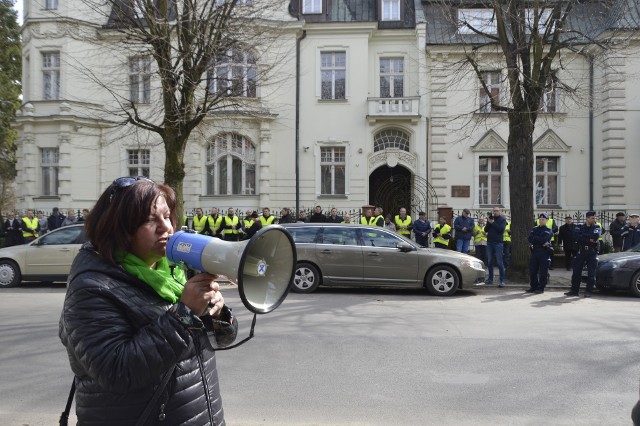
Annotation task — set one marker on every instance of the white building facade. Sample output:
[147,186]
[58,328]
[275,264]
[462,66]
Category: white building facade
[366,107]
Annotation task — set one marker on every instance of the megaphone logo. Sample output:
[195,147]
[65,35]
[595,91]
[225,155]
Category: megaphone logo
[263,267]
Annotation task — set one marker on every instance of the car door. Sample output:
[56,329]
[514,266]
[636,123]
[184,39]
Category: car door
[340,255]
[384,263]
[53,253]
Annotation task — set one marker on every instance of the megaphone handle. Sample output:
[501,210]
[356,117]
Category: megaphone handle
[253,325]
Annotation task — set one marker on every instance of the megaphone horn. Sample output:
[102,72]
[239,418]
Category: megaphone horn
[263,266]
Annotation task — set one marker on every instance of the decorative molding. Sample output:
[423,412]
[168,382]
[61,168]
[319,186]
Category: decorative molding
[550,142]
[491,141]
[53,30]
[392,158]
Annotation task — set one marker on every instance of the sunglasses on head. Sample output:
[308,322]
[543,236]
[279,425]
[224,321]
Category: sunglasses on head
[123,182]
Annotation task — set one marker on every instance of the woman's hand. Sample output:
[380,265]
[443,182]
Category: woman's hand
[202,295]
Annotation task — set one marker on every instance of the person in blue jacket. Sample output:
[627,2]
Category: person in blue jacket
[464,231]
[586,235]
[541,249]
[495,234]
[422,229]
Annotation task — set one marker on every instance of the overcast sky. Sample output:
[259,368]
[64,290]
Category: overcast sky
[18,6]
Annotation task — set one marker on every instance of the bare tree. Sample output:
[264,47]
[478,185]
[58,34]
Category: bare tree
[529,40]
[193,48]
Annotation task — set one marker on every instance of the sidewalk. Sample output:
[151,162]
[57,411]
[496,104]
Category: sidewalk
[559,278]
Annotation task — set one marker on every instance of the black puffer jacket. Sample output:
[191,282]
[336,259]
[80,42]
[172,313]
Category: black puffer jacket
[121,338]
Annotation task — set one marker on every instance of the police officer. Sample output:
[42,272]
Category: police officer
[551,224]
[586,236]
[540,240]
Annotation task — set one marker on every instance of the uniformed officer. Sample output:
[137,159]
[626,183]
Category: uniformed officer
[266,219]
[199,221]
[586,236]
[230,226]
[551,224]
[214,224]
[540,240]
[403,223]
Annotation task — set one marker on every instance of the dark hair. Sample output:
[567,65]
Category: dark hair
[120,211]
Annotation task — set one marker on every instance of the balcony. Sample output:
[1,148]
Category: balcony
[396,109]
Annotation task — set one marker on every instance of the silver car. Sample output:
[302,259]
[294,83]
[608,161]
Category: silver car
[47,258]
[369,256]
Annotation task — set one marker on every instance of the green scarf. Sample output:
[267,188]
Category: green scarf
[168,286]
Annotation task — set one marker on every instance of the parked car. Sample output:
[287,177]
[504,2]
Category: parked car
[619,271]
[369,256]
[47,258]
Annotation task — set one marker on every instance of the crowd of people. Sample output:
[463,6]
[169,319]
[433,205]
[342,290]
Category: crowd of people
[22,229]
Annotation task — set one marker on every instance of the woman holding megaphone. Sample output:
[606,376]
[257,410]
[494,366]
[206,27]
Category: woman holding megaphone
[139,335]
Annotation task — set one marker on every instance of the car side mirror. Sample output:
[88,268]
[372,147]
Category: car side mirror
[405,247]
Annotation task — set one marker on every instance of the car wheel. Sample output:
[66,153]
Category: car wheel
[442,280]
[635,284]
[9,274]
[306,278]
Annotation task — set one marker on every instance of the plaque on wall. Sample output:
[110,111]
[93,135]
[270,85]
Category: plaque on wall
[460,191]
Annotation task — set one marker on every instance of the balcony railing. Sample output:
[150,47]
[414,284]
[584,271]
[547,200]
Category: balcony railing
[394,108]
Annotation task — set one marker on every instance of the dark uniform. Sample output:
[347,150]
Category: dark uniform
[540,240]
[567,239]
[587,239]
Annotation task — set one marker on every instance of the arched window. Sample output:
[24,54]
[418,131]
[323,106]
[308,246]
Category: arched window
[233,74]
[391,138]
[231,166]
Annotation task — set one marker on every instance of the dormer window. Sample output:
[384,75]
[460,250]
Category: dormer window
[390,10]
[311,6]
[482,20]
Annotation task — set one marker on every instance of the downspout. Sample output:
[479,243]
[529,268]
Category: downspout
[298,42]
[590,132]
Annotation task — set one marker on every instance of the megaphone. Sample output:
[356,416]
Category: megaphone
[263,266]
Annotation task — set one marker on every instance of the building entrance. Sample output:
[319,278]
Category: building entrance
[390,188]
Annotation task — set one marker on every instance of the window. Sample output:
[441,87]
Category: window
[391,77]
[138,162]
[231,166]
[234,73]
[51,75]
[375,238]
[492,80]
[550,96]
[333,69]
[49,164]
[140,79]
[304,235]
[391,138]
[311,6]
[482,20]
[51,4]
[490,182]
[66,235]
[340,236]
[546,181]
[390,10]
[332,170]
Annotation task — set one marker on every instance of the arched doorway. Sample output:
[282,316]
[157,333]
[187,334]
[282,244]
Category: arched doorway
[390,188]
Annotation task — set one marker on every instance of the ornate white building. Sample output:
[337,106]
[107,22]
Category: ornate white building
[368,109]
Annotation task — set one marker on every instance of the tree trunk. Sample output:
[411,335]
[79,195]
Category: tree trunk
[520,158]
[174,173]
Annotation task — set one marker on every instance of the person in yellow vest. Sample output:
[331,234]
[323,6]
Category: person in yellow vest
[506,245]
[480,240]
[248,220]
[347,219]
[600,240]
[30,227]
[266,219]
[378,219]
[231,225]
[404,225]
[214,224]
[367,218]
[185,220]
[442,234]
[199,221]
[551,224]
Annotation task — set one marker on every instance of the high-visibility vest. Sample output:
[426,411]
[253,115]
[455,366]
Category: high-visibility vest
[442,230]
[248,221]
[365,221]
[266,221]
[480,235]
[230,221]
[600,225]
[185,220]
[199,223]
[403,223]
[215,223]
[32,225]
[375,220]
[549,225]
[506,237]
